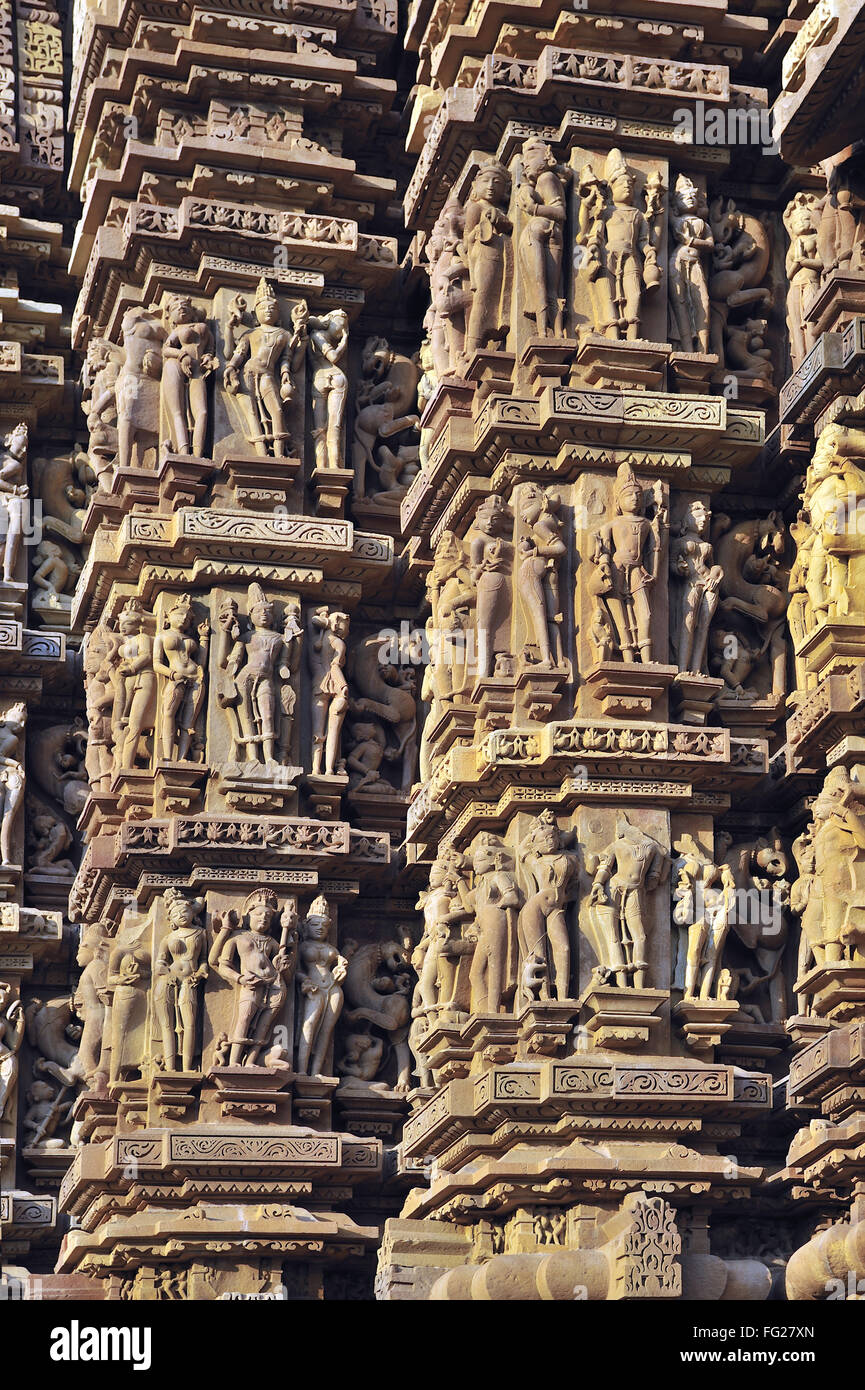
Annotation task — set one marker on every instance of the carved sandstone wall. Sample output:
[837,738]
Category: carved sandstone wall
[433,681]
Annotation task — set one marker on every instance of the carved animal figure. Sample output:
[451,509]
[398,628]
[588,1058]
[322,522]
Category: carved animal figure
[736,547]
[749,553]
[740,262]
[52,1032]
[55,760]
[534,977]
[741,258]
[388,693]
[374,990]
[61,482]
[380,362]
[747,353]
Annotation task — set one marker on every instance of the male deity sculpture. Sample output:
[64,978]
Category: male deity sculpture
[270,356]
[179,969]
[180,661]
[320,973]
[13,492]
[620,259]
[255,663]
[691,563]
[551,873]
[328,344]
[188,360]
[484,247]
[626,555]
[541,197]
[327,652]
[626,873]
[258,967]
[691,238]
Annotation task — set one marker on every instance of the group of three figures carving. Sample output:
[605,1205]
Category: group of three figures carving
[468,253]
[259,967]
[519,939]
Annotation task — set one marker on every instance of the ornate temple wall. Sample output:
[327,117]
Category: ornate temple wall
[431,635]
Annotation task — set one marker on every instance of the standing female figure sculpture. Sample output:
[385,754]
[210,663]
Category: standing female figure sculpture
[328,343]
[12,780]
[180,660]
[320,973]
[485,238]
[542,550]
[692,240]
[327,653]
[541,197]
[804,267]
[691,561]
[491,555]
